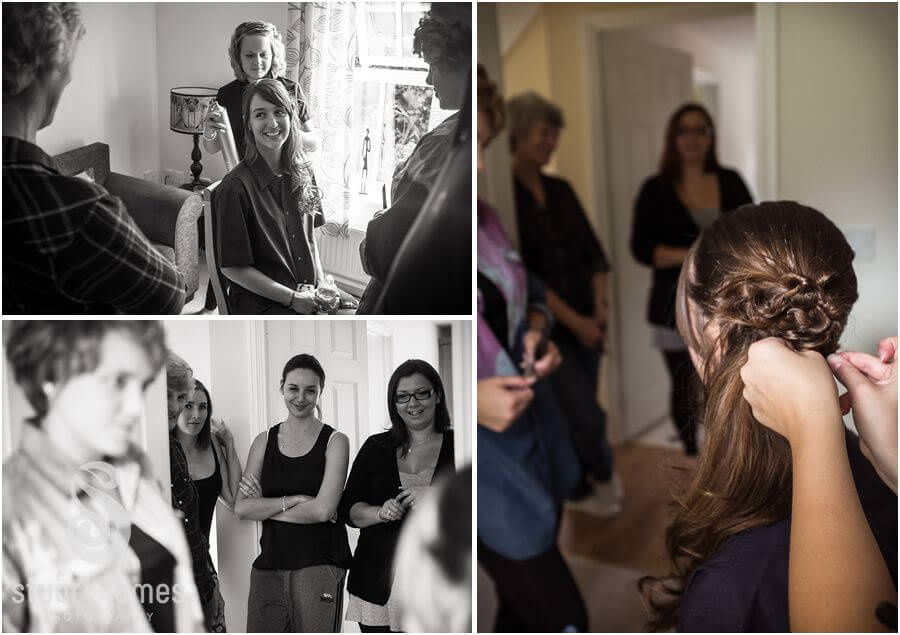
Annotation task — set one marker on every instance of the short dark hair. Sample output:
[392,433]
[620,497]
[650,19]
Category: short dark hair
[444,36]
[203,437]
[304,361]
[670,163]
[399,434]
[41,351]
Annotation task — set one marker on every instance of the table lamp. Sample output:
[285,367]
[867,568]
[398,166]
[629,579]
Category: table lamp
[187,108]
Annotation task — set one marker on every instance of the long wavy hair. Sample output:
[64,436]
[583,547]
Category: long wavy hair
[670,162]
[777,269]
[293,160]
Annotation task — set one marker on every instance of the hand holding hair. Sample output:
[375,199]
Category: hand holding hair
[791,393]
[872,396]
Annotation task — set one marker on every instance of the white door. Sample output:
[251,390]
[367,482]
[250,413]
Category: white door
[642,85]
[341,348]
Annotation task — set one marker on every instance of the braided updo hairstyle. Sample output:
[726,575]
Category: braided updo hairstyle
[777,269]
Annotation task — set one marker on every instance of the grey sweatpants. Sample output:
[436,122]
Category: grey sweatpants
[308,600]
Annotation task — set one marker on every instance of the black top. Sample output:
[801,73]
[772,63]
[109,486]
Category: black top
[292,546]
[744,585]
[373,479]
[230,96]
[185,499]
[494,310]
[660,218]
[558,245]
[260,223]
[157,572]
[69,246]
[208,490]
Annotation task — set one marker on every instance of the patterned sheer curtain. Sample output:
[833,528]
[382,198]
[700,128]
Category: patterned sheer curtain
[321,55]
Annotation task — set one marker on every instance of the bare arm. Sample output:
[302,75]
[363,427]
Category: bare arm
[322,507]
[364,515]
[258,508]
[668,257]
[837,574]
[262,285]
[231,469]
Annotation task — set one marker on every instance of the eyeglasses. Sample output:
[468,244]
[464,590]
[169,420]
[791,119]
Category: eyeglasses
[420,395]
[700,131]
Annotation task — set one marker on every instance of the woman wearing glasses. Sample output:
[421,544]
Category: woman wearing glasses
[392,473]
[673,207]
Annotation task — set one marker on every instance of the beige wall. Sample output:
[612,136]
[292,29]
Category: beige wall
[112,96]
[837,139]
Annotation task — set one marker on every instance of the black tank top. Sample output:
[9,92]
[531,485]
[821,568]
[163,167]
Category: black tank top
[208,490]
[290,545]
[157,572]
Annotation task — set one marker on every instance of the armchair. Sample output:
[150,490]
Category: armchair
[166,215]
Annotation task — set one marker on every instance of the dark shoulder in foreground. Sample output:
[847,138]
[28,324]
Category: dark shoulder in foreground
[742,587]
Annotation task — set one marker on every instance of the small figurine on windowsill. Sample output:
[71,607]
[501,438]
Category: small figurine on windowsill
[367,147]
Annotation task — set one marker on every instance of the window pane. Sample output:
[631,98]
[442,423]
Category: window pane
[381,25]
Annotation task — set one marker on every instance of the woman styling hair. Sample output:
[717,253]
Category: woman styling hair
[781,270]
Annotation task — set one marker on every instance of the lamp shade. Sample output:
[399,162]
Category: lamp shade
[188,107]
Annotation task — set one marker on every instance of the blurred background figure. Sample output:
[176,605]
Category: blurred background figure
[434,560]
[690,191]
[83,516]
[559,247]
[526,463]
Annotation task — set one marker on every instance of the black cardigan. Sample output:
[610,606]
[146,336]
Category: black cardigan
[373,479]
[660,218]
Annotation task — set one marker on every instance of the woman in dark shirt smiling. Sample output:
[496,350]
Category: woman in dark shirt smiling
[672,208]
[266,211]
[393,471]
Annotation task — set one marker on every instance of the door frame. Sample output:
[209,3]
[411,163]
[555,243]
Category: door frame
[593,26]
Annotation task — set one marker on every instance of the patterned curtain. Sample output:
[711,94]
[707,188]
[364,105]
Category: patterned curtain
[321,55]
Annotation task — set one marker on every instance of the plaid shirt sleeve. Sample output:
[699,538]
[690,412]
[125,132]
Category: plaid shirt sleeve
[184,498]
[109,260]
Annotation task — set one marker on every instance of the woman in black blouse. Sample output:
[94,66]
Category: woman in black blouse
[393,471]
[673,207]
[256,52]
[293,482]
[559,246]
[266,211]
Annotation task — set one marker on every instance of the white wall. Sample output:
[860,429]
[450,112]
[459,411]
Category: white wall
[837,139]
[112,96]
[724,47]
[193,43]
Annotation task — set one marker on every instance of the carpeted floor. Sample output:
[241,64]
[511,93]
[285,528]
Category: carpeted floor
[607,557]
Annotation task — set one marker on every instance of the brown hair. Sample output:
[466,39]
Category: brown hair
[775,269]
[670,163]
[54,351]
[278,64]
[490,103]
[293,161]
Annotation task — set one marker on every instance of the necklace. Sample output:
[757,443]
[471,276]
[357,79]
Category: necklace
[303,438]
[413,448]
